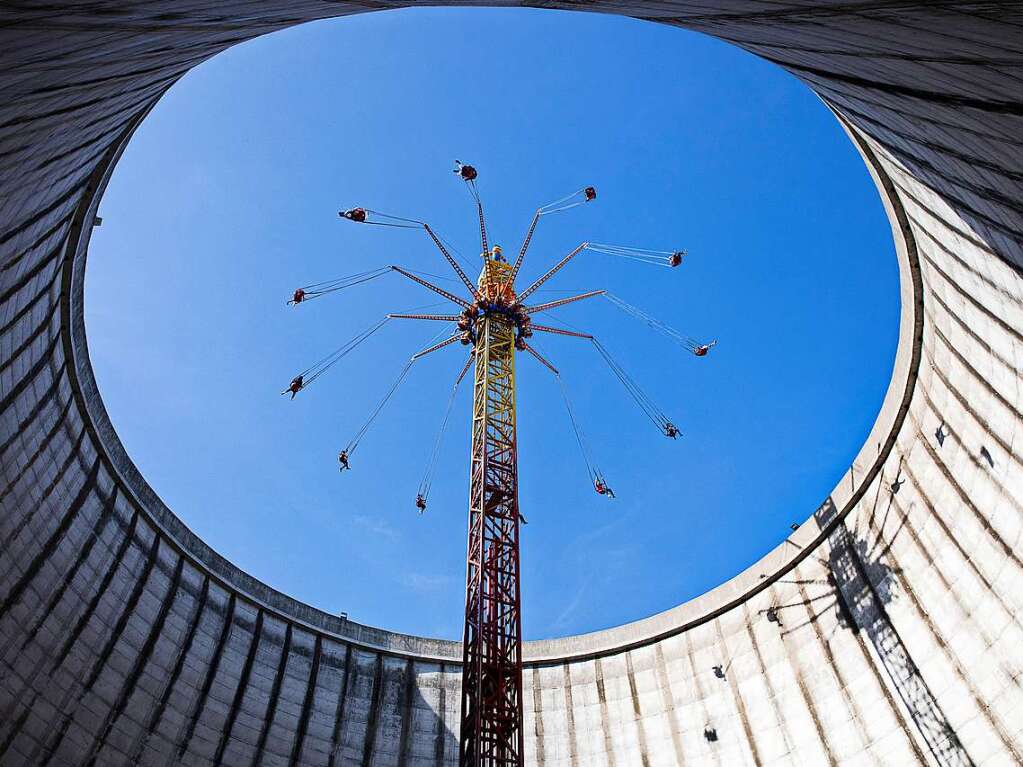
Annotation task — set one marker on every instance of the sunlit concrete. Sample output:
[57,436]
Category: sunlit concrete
[887,630]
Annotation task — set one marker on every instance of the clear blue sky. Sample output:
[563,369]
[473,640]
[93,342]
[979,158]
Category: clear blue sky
[226,200]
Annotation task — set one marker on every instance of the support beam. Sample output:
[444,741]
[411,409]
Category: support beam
[551,272]
[435,347]
[541,358]
[560,331]
[465,369]
[525,246]
[563,301]
[440,317]
[429,285]
[450,259]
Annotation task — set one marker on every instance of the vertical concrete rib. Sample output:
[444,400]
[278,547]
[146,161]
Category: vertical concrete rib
[407,704]
[19,724]
[11,396]
[51,746]
[60,423]
[126,612]
[573,746]
[139,664]
[275,693]
[104,584]
[825,646]
[240,688]
[339,714]
[740,706]
[46,748]
[762,669]
[374,711]
[538,733]
[804,691]
[83,555]
[74,455]
[605,720]
[668,701]
[701,692]
[179,662]
[41,405]
[210,675]
[307,703]
[46,552]
[439,735]
[637,713]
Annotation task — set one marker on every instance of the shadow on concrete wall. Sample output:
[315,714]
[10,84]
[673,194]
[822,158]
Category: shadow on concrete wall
[863,585]
[386,719]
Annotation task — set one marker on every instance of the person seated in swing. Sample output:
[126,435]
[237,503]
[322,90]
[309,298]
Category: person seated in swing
[671,430]
[420,503]
[298,298]
[467,172]
[295,386]
[676,258]
[590,193]
[342,458]
[358,215]
[702,349]
[602,489]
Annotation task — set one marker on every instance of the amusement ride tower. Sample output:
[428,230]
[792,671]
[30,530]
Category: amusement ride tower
[494,323]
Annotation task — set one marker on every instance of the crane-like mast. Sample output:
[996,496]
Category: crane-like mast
[495,323]
[491,731]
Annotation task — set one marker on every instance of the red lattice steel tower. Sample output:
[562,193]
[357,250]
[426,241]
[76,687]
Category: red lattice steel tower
[495,323]
[491,731]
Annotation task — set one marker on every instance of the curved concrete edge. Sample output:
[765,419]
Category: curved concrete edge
[145,498]
[898,641]
[849,490]
[727,596]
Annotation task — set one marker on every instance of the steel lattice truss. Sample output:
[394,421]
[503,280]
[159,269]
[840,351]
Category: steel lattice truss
[492,656]
[495,323]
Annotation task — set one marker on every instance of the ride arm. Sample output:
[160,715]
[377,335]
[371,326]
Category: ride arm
[560,331]
[435,347]
[541,358]
[448,257]
[525,246]
[563,301]
[483,225]
[465,369]
[552,271]
[441,317]
[439,291]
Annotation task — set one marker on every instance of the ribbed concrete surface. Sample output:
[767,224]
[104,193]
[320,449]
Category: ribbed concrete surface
[887,631]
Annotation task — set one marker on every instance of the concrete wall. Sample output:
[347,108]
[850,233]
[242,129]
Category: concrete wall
[887,630]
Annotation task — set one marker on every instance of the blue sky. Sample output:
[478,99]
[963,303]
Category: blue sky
[226,200]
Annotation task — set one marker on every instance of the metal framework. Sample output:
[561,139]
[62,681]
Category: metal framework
[495,323]
[491,732]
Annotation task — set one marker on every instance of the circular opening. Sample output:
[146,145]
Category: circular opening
[226,199]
